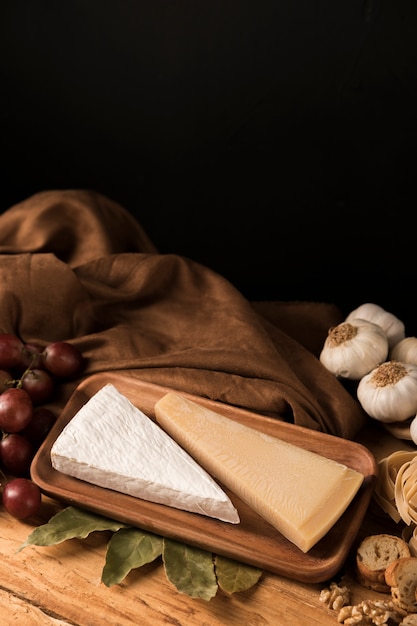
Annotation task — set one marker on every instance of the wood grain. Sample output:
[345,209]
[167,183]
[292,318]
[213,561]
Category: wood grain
[253,540]
[60,585]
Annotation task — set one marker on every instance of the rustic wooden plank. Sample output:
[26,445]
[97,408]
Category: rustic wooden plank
[14,610]
[60,585]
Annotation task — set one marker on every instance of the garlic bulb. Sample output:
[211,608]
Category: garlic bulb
[389,392]
[405,350]
[413,430]
[394,327]
[400,430]
[353,349]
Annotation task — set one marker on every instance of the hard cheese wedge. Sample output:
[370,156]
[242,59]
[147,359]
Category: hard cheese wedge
[301,493]
[112,444]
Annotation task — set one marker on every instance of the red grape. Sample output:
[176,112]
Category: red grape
[31,357]
[16,409]
[10,351]
[38,384]
[16,454]
[22,498]
[39,426]
[62,359]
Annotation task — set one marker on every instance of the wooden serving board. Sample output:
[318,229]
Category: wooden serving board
[253,541]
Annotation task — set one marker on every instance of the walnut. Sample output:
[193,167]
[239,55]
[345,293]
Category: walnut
[374,612]
[335,596]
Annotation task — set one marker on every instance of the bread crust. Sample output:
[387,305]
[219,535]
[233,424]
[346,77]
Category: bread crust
[401,577]
[374,554]
[409,620]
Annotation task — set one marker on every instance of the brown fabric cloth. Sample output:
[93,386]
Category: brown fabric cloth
[76,266]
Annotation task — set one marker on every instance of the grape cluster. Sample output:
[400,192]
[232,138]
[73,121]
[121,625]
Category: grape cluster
[28,376]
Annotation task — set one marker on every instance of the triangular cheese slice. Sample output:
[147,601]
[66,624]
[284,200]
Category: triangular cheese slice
[301,493]
[112,444]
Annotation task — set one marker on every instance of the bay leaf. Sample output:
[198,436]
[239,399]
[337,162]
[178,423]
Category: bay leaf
[233,576]
[189,569]
[194,572]
[70,523]
[129,548]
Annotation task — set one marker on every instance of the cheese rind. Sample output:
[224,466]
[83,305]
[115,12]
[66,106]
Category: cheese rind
[301,493]
[112,444]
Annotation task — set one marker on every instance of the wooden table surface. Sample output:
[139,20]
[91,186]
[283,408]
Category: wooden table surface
[60,585]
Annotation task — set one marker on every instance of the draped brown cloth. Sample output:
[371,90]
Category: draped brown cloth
[76,266]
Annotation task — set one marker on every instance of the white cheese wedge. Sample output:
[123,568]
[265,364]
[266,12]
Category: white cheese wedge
[112,444]
[301,493]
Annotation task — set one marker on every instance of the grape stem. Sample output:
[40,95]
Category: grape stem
[19,381]
[3,477]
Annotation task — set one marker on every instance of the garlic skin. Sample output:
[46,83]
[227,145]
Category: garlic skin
[394,327]
[353,349]
[405,350]
[389,392]
[413,430]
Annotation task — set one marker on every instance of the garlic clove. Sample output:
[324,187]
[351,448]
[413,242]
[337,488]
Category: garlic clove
[400,430]
[353,349]
[393,326]
[389,392]
[405,350]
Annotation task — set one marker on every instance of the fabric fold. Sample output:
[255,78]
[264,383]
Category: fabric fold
[76,266]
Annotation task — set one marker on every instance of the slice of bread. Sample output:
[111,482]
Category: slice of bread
[373,556]
[401,576]
[409,620]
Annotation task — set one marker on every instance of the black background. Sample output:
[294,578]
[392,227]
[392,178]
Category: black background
[274,141]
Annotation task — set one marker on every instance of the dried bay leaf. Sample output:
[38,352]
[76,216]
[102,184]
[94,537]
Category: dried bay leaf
[70,523]
[233,576]
[194,572]
[189,569]
[129,548]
